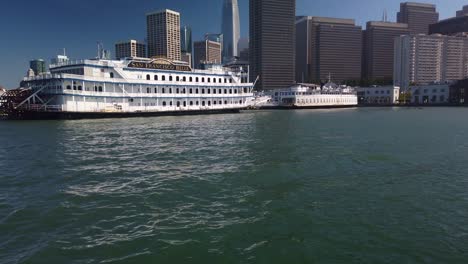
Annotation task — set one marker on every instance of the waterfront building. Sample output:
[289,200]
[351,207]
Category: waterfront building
[418,16]
[187,57]
[206,52]
[425,59]
[163,34]
[38,66]
[130,49]
[230,29]
[272,37]
[459,92]
[186,39]
[378,50]
[429,94]
[378,95]
[328,46]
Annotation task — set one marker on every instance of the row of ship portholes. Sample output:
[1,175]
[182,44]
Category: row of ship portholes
[192,103]
[195,90]
[190,79]
[319,101]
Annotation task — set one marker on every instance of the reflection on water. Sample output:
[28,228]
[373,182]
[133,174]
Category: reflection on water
[273,187]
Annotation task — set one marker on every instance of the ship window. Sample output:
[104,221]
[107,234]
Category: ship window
[177,90]
[190,79]
[170,90]
[196,91]
[245,90]
[220,80]
[164,103]
[177,78]
[170,103]
[196,79]
[163,90]
[74,87]
[208,91]
[220,102]
[95,88]
[178,104]
[184,79]
[203,79]
[230,91]
[225,102]
[230,80]
[225,91]
[68,87]
[209,79]
[80,88]
[100,88]
[148,77]
[203,103]
[209,103]
[190,91]
[183,91]
[148,90]
[170,78]
[197,103]
[185,103]
[220,91]
[235,91]
[240,102]
[214,80]
[112,75]
[155,77]
[155,90]
[214,102]
[214,91]
[163,77]
[225,80]
[203,91]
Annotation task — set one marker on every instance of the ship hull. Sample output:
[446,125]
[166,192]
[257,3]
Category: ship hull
[37,115]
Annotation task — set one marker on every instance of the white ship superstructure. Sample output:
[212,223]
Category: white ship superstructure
[132,86]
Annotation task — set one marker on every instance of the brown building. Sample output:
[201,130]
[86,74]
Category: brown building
[378,50]
[418,16]
[272,37]
[328,46]
[206,52]
[130,49]
[163,34]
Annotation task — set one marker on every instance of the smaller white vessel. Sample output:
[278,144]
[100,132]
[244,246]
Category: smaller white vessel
[304,95]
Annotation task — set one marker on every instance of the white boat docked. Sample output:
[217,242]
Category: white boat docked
[302,95]
[128,87]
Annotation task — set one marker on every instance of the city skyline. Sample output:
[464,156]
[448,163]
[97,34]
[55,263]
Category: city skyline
[79,36]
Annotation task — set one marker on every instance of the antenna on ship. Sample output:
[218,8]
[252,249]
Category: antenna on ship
[64,52]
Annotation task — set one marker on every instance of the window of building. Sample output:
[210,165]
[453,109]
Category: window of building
[112,75]
[220,102]
[190,79]
[163,77]
[230,91]
[214,80]
[164,103]
[197,103]
[225,80]
[155,90]
[185,103]
[208,91]
[225,91]
[225,102]
[155,77]
[163,90]
[170,78]
[196,91]
[148,77]
[80,88]
[183,91]
[203,103]
[170,91]
[177,78]
[209,79]
[170,103]
[214,102]
[203,91]
[191,103]
[68,87]
[184,79]
[196,79]
[178,104]
[230,80]
[220,80]
[235,91]
[203,79]
[100,89]
[209,103]
[214,91]
[190,91]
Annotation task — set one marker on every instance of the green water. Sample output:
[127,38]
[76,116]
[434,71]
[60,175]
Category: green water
[336,186]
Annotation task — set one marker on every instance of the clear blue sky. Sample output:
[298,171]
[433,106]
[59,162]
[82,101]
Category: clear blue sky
[41,29]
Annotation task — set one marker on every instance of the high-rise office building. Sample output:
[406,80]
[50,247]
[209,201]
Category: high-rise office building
[187,57]
[453,25]
[425,59]
[272,38]
[206,52]
[130,49]
[186,39]
[163,34]
[328,46]
[38,66]
[230,29]
[418,16]
[378,50]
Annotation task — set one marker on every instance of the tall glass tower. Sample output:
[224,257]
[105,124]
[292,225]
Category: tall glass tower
[186,39]
[230,29]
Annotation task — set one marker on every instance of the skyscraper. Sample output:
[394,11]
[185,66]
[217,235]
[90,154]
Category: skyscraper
[328,46]
[378,41]
[206,52]
[272,38]
[230,29]
[163,33]
[418,16]
[38,66]
[186,39]
[131,48]
[423,59]
[452,25]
